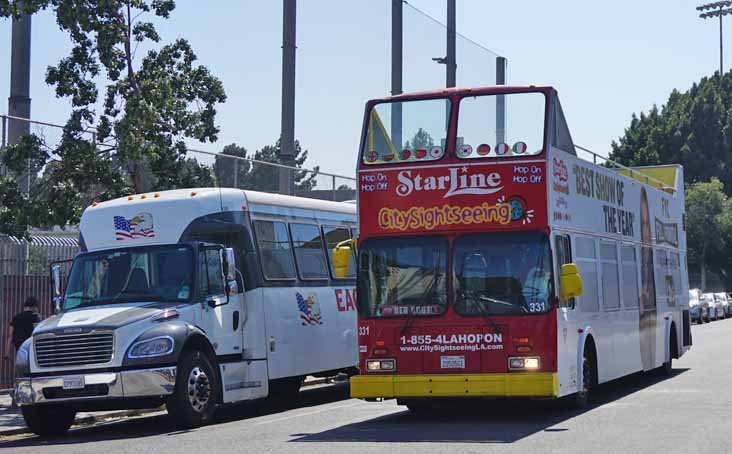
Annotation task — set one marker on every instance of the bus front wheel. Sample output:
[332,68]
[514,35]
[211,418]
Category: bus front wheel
[193,402]
[582,397]
[48,420]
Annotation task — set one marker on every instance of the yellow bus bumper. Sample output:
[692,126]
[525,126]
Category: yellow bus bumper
[540,384]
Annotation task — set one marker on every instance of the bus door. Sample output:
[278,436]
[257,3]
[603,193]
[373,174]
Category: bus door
[220,319]
[566,318]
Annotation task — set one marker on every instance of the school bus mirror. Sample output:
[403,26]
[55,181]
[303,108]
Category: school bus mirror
[342,257]
[570,282]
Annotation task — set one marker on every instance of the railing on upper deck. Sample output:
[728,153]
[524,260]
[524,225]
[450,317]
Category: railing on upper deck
[633,173]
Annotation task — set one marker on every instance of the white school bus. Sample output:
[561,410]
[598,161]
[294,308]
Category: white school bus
[498,262]
[192,298]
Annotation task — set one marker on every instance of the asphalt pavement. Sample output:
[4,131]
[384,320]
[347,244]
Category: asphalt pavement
[689,412]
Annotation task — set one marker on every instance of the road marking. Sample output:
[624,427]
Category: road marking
[310,413]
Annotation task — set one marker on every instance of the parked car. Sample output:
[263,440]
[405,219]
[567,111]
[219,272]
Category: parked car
[721,299]
[714,312]
[698,306]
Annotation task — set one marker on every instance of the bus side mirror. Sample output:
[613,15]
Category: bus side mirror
[228,265]
[570,282]
[56,283]
[342,257]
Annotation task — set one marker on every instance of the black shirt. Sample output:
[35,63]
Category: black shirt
[23,327]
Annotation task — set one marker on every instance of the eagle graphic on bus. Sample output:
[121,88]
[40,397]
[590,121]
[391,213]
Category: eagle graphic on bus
[309,309]
[139,226]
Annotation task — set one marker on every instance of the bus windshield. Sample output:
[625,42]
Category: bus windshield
[156,273]
[502,274]
[399,277]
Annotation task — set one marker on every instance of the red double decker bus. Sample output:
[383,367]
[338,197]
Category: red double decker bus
[495,261]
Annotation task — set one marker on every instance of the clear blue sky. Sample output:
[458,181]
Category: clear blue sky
[607,59]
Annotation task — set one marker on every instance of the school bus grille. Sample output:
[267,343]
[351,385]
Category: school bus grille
[78,349]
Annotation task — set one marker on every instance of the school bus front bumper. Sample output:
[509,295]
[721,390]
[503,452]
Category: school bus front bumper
[537,384]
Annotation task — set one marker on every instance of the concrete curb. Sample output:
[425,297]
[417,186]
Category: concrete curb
[89,420]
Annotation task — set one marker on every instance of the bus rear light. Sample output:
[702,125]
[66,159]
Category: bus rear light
[380,365]
[380,343]
[380,351]
[523,340]
[524,363]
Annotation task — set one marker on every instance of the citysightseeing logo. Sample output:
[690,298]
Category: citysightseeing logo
[421,218]
[454,183]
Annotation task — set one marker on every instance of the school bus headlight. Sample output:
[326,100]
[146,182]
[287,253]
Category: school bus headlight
[380,365]
[524,363]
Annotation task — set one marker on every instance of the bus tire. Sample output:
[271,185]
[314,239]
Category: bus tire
[666,369]
[581,398]
[48,420]
[193,402]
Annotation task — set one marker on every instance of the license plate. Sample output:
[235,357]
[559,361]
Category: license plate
[74,382]
[452,362]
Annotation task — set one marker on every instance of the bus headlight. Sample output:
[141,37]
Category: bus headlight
[380,365]
[22,359]
[524,363]
[157,346]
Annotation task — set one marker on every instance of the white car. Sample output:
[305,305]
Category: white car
[698,307]
[715,308]
[721,299]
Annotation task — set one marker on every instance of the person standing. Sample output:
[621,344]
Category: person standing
[21,328]
[23,323]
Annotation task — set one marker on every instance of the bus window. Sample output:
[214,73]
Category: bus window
[502,273]
[402,276]
[563,254]
[309,253]
[333,236]
[587,267]
[663,279]
[274,250]
[482,135]
[631,293]
[610,279]
[406,131]
[211,279]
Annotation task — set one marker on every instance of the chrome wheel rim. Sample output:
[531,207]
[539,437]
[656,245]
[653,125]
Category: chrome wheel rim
[199,389]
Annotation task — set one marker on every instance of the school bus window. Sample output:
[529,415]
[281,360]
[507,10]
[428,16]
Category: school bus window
[274,250]
[309,252]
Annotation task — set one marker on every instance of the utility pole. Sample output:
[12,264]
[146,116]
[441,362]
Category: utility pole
[19,102]
[449,59]
[396,70]
[717,9]
[501,64]
[287,132]
[451,38]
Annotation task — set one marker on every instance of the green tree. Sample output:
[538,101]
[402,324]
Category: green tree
[693,128]
[421,139]
[149,107]
[232,173]
[708,226]
[266,178]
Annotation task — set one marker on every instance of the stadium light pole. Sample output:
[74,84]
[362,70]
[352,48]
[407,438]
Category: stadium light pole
[717,9]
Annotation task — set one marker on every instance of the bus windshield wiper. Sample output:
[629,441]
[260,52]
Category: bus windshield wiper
[478,298]
[413,308]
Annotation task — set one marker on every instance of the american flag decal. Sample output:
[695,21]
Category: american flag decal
[139,226]
[309,310]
